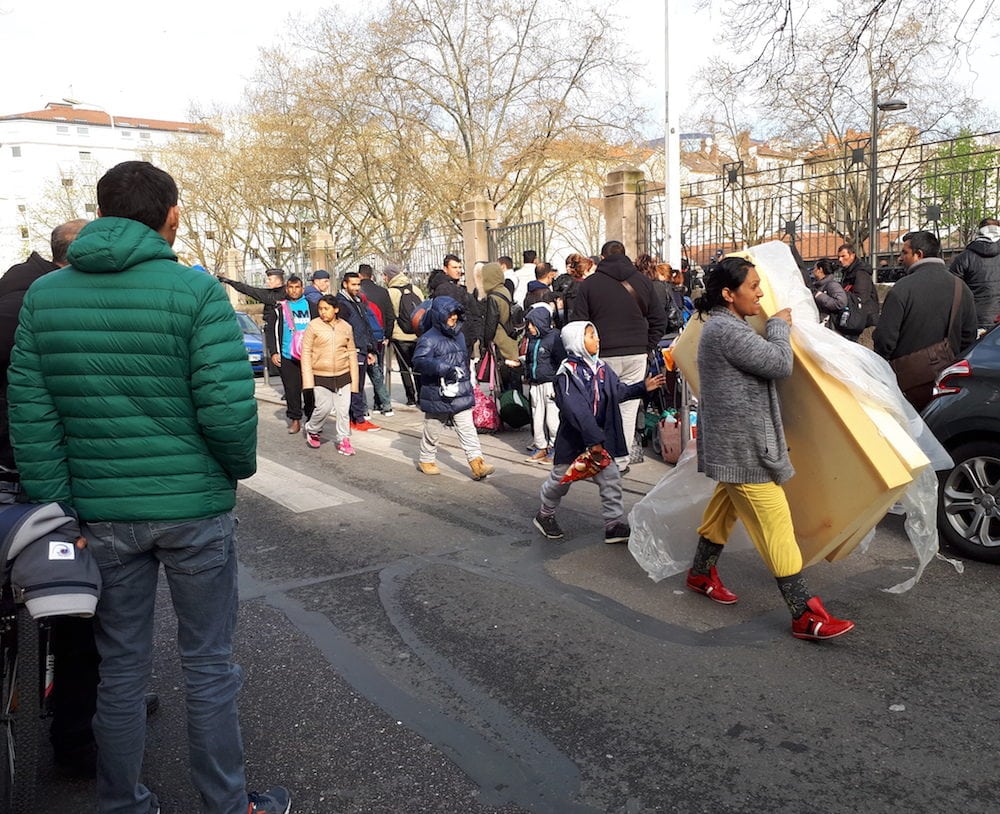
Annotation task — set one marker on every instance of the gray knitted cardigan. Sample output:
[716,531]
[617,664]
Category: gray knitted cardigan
[740,437]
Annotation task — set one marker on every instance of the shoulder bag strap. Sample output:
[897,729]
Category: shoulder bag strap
[956,301]
[635,296]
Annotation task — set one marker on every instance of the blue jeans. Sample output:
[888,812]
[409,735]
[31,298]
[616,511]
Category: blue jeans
[199,559]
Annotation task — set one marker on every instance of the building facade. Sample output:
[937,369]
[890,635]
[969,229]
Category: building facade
[51,159]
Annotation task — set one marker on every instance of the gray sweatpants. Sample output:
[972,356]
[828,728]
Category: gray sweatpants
[330,401]
[609,486]
[467,435]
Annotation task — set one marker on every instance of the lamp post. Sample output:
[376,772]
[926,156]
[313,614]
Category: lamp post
[889,105]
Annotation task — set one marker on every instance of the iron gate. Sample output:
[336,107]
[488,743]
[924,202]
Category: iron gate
[513,241]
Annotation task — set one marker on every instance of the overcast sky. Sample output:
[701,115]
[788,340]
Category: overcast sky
[151,61]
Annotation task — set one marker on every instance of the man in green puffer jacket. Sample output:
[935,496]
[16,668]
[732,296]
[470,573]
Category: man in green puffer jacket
[131,399]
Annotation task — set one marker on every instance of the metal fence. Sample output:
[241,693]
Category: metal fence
[817,203]
[513,241]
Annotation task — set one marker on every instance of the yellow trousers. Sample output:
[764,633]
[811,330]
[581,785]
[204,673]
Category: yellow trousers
[763,508]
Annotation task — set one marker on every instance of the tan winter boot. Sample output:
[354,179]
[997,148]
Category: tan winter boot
[480,469]
[429,468]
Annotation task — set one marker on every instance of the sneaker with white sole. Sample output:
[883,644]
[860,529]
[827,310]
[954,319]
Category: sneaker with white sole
[548,526]
[618,533]
[345,448]
[313,440]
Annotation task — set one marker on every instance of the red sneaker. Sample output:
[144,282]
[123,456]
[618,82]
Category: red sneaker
[816,624]
[365,426]
[710,585]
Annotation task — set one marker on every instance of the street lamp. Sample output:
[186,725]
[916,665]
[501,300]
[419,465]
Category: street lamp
[890,105]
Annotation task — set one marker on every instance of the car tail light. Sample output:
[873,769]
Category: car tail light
[948,380]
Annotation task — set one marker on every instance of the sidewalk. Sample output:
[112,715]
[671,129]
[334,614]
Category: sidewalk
[507,445]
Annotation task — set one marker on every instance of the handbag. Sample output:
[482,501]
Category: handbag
[297,335]
[916,371]
[853,320]
[485,415]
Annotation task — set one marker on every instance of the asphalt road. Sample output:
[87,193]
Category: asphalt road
[411,644]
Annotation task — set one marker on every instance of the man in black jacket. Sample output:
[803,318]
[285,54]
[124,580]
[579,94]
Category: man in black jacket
[446,284]
[354,308]
[917,309]
[979,267]
[857,277]
[75,652]
[629,318]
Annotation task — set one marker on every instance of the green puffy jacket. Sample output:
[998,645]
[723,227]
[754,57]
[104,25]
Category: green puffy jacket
[131,396]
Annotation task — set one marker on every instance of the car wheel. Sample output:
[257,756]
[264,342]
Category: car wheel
[969,501]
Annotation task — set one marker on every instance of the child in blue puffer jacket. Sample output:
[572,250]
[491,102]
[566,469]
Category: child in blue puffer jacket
[446,388]
[544,353]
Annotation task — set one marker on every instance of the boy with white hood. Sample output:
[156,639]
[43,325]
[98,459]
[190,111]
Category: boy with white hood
[588,393]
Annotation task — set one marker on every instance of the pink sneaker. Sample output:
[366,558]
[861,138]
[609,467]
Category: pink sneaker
[312,439]
[345,448]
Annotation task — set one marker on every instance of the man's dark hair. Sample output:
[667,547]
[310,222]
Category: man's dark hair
[543,270]
[847,247]
[989,222]
[612,247]
[330,299]
[62,236]
[275,273]
[138,191]
[366,271]
[529,256]
[507,261]
[926,243]
[348,275]
[450,258]
[294,279]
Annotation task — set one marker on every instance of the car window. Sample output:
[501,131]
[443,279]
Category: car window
[246,323]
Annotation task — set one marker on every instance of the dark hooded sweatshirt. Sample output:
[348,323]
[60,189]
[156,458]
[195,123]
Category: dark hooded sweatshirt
[627,325]
[545,349]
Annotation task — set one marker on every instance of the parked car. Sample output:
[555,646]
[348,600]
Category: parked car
[253,339]
[964,415]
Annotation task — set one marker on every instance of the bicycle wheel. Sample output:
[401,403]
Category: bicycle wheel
[8,671]
[26,727]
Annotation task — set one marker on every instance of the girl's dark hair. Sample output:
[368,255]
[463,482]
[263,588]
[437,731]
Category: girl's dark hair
[647,265]
[329,299]
[824,265]
[730,272]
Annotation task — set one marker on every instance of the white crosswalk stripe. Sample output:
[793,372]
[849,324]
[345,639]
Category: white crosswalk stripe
[293,490]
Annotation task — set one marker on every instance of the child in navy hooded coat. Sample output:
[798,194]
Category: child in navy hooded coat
[588,393]
[544,353]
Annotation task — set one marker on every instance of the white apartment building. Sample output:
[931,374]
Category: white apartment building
[51,159]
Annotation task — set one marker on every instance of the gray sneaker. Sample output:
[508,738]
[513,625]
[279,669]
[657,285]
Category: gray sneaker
[548,526]
[275,800]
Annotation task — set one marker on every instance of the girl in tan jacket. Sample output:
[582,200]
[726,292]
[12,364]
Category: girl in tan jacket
[329,373]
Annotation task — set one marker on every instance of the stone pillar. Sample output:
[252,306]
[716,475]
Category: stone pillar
[621,207]
[232,268]
[322,254]
[477,214]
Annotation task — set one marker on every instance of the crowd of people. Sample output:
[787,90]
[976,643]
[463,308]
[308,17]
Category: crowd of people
[78,425]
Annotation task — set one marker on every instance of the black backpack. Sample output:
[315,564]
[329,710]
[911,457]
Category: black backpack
[408,303]
[514,326]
